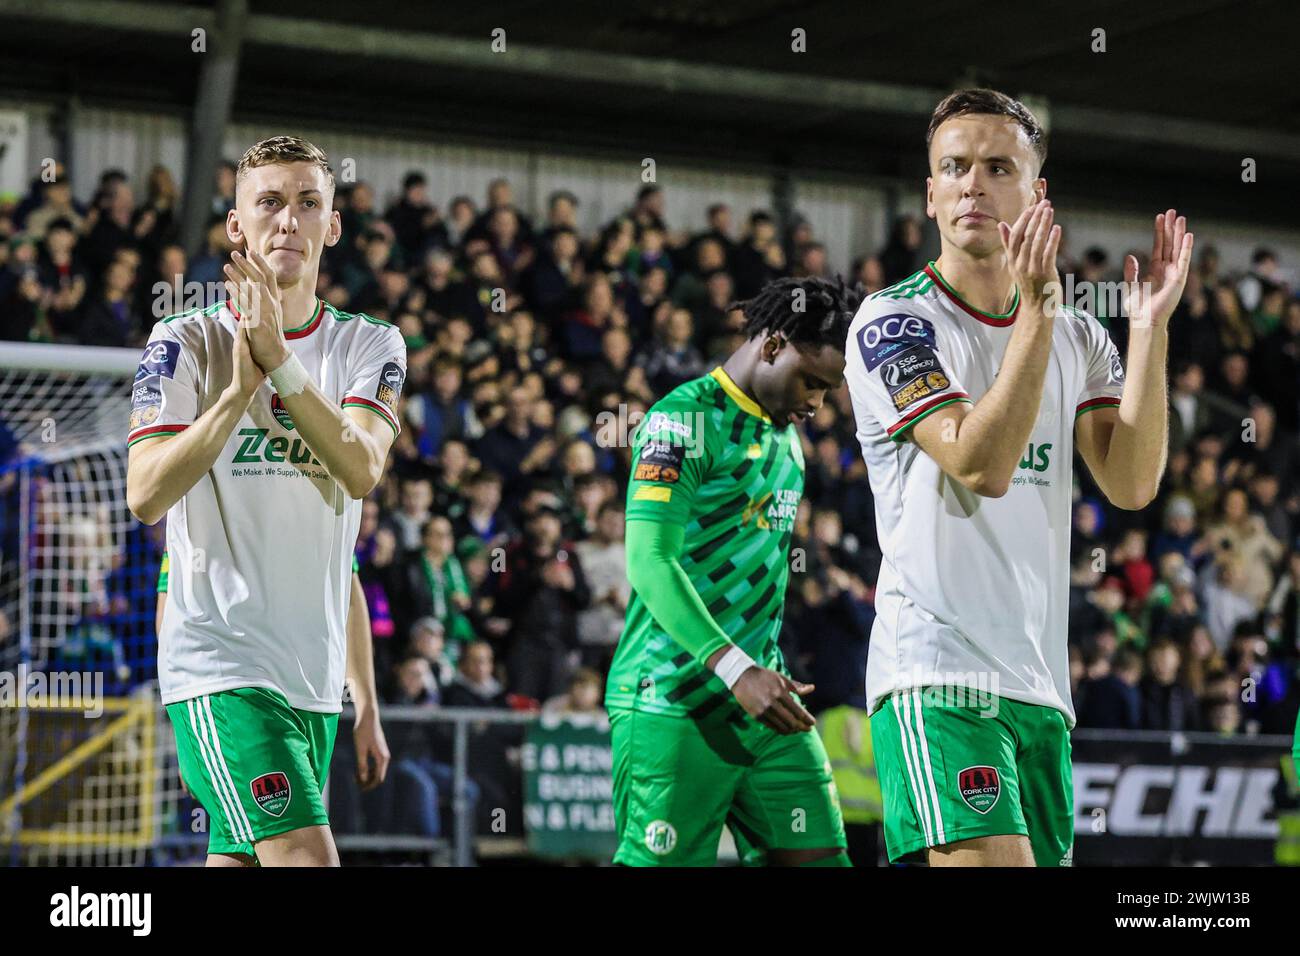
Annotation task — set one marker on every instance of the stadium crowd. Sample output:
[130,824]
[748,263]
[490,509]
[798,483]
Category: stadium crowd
[492,553]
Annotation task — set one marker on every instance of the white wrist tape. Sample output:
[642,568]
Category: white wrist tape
[733,663]
[290,378]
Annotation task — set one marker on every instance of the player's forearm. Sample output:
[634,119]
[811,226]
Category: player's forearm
[1135,458]
[162,474]
[656,574]
[361,659]
[347,452]
[991,439]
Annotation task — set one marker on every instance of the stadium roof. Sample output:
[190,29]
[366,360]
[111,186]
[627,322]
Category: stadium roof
[1184,92]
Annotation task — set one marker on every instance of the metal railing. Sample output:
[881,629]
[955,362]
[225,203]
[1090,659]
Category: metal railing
[462,843]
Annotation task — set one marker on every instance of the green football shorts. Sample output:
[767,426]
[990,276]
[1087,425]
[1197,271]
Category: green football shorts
[256,764]
[952,769]
[677,781]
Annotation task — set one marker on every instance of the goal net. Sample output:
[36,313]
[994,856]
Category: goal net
[87,762]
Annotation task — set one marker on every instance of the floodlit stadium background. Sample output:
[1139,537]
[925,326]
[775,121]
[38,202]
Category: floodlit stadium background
[525,121]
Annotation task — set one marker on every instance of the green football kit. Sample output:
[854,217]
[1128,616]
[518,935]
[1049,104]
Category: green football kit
[711,508]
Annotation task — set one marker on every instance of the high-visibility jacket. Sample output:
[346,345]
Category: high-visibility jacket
[846,734]
[1287,851]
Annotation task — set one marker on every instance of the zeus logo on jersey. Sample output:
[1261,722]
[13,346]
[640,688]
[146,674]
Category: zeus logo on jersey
[159,358]
[889,335]
[391,378]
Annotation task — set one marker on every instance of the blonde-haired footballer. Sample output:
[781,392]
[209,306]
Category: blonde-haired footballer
[257,426]
[972,383]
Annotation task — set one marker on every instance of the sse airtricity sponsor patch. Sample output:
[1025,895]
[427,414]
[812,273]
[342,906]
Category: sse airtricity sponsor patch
[885,337]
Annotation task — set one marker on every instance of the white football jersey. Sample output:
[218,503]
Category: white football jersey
[973,591]
[261,546]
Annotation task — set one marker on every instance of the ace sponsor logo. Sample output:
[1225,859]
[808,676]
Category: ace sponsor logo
[159,359]
[889,335]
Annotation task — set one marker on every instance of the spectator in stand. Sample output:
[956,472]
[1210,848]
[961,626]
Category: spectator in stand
[585,696]
[648,212]
[1225,605]
[1246,537]
[414,219]
[1109,698]
[22,297]
[57,205]
[690,290]
[493,748]
[154,224]
[1263,273]
[110,317]
[1190,413]
[429,640]
[674,359]
[435,585]
[561,213]
[1262,448]
[901,256]
[759,258]
[114,212]
[443,413]
[420,788]
[541,592]
[409,521]
[483,517]
[1172,610]
[869,273]
[1235,331]
[1180,534]
[552,284]
[516,449]
[1167,702]
[223,196]
[500,196]
[1276,361]
[604,561]
[63,275]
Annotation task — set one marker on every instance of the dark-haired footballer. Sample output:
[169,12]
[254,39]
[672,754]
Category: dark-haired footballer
[707,725]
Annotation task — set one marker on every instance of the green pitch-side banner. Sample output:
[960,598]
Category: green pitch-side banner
[567,786]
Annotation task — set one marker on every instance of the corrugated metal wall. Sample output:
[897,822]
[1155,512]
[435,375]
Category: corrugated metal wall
[850,218]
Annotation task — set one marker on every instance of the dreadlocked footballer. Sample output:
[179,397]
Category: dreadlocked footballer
[707,725]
